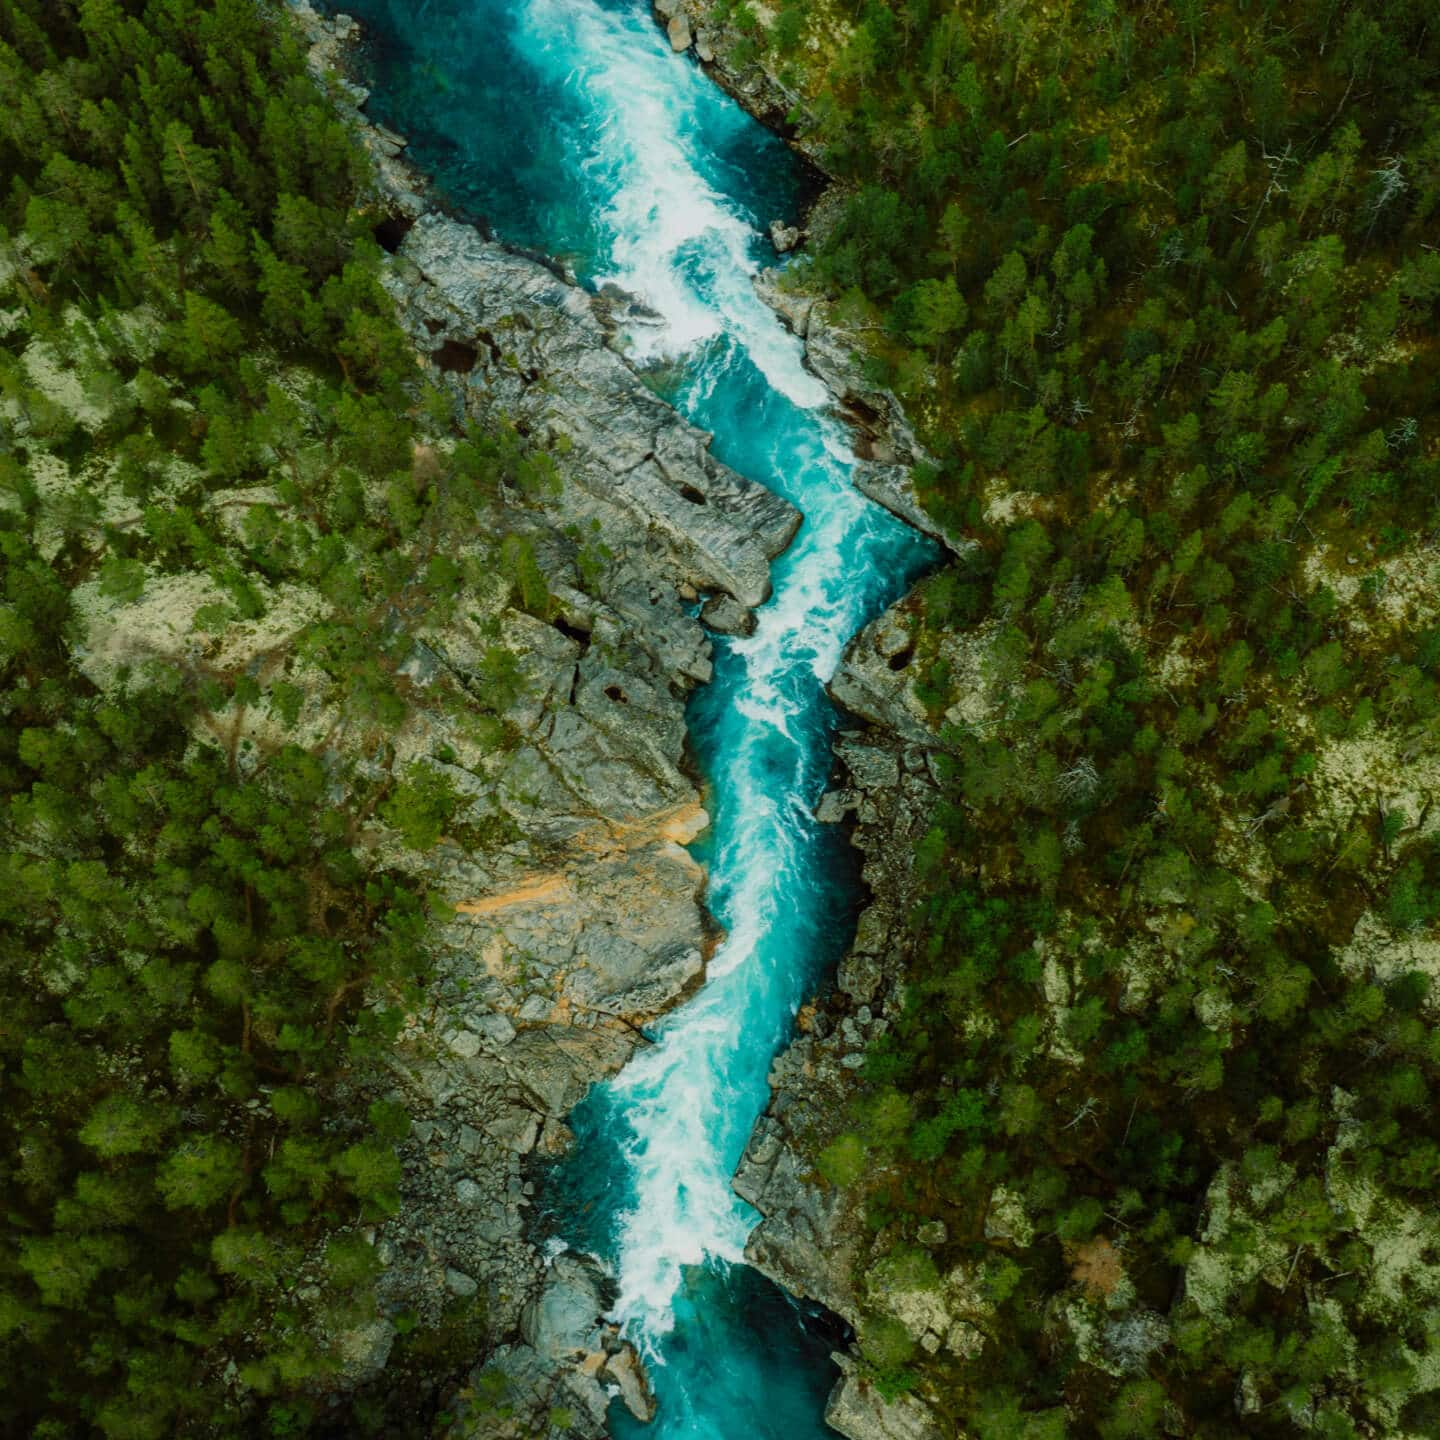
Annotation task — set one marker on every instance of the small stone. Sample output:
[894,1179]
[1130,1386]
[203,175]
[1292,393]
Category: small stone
[835,805]
[467,1192]
[860,973]
[457,1282]
[873,767]
[783,237]
[629,1376]
[703,48]
[493,1226]
[727,615]
[764,1144]
[516,1128]
[930,1342]
[853,1061]
[965,1340]
[679,32]
[496,1030]
[389,139]
[932,1233]
[863,1015]
[463,1043]
[535,1009]
[556,1138]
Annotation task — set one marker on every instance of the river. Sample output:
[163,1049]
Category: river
[570,126]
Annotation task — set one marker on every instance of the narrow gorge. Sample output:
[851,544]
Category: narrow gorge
[573,129]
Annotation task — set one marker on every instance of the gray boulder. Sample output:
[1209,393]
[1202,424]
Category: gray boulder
[563,1322]
[878,686]
[858,1410]
[783,237]
[725,614]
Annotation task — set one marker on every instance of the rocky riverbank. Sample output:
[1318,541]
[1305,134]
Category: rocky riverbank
[834,351]
[589,920]
[884,440]
[813,1238]
[693,24]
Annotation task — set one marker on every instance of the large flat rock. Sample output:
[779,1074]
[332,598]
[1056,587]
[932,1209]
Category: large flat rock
[537,351]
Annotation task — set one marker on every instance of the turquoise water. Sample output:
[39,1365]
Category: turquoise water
[569,125]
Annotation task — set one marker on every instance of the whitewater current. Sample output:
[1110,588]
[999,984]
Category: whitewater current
[570,125]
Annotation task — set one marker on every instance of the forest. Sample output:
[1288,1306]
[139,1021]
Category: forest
[206,407]
[1159,284]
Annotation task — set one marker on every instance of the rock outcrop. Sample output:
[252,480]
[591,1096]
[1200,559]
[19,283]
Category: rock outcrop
[784,237]
[566,1361]
[858,1409]
[809,1234]
[760,91]
[521,330]
[884,440]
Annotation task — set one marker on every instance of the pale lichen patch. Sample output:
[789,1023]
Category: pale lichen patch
[1404,1244]
[160,624]
[62,383]
[1399,591]
[1177,663]
[1379,768]
[1376,952]
[1007,507]
[1216,1269]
